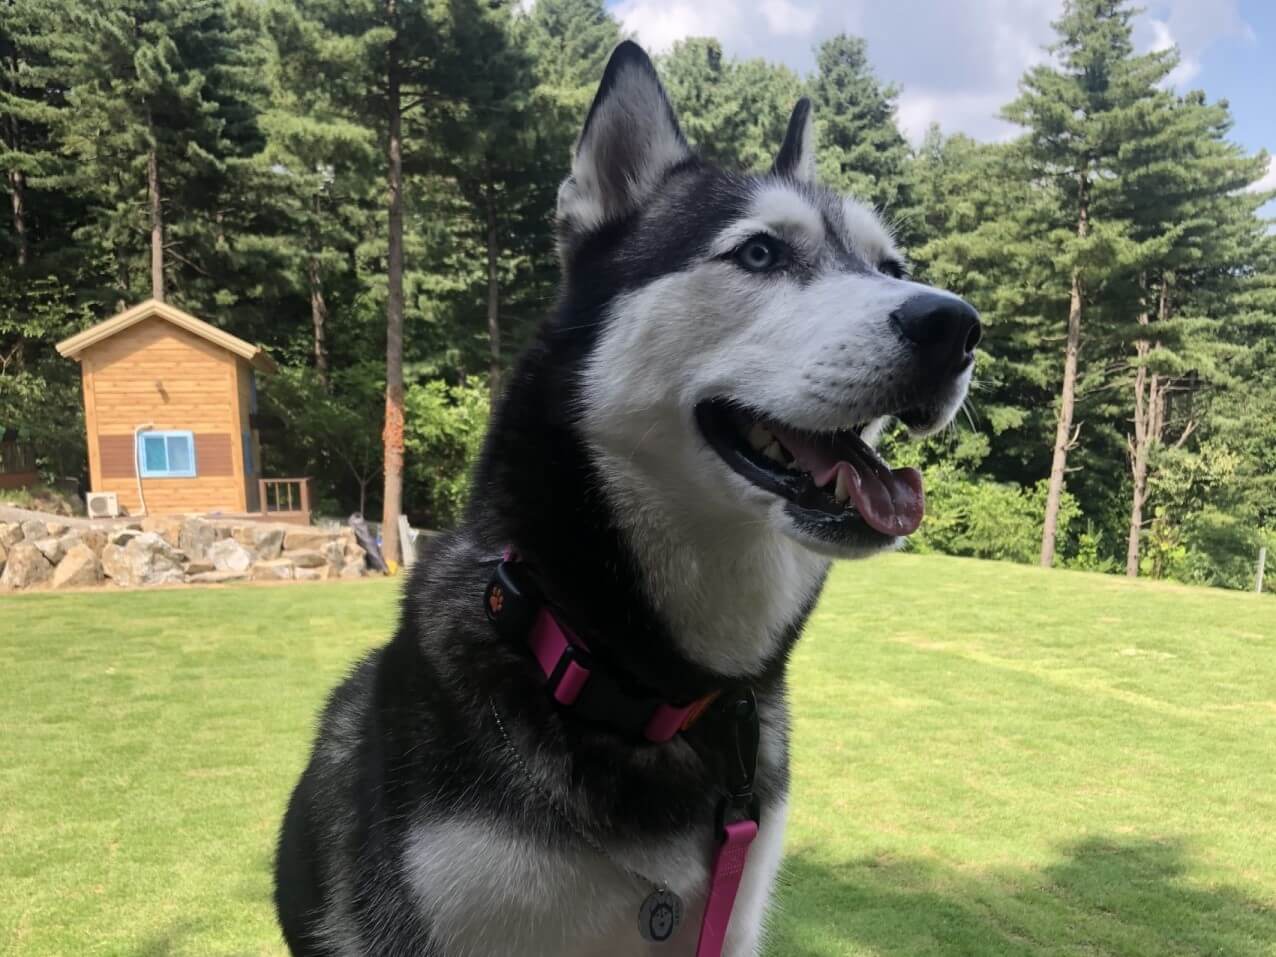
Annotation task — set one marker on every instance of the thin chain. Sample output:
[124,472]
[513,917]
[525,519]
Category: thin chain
[562,815]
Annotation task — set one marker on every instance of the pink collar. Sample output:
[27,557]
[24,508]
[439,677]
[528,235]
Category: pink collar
[514,605]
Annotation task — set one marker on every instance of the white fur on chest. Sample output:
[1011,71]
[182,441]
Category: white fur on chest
[487,890]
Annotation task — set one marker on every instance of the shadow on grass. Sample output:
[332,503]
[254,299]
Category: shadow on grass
[1105,896]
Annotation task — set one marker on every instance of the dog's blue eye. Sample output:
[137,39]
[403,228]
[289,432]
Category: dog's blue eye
[759,254]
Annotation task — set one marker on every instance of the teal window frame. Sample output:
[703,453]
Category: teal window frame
[169,438]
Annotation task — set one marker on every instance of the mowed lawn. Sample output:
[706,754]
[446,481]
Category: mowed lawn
[989,759]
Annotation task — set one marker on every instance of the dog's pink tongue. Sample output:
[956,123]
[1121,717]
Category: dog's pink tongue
[891,501]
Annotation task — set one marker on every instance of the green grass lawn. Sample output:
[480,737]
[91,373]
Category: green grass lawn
[990,759]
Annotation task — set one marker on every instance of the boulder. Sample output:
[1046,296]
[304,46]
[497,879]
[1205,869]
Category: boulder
[56,529]
[307,558]
[196,537]
[114,563]
[51,548]
[199,567]
[268,542]
[33,529]
[10,533]
[334,554]
[4,556]
[146,559]
[228,555]
[305,539]
[25,566]
[122,535]
[168,527]
[353,553]
[216,578]
[95,538]
[275,570]
[310,574]
[79,568]
[353,570]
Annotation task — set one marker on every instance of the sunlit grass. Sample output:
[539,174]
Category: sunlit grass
[990,759]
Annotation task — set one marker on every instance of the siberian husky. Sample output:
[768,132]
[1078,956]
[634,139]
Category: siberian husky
[582,720]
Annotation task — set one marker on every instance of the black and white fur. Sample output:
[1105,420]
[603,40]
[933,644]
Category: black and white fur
[415,829]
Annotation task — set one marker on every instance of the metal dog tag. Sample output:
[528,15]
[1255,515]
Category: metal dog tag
[660,915]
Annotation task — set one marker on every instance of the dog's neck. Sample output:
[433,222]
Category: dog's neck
[680,611]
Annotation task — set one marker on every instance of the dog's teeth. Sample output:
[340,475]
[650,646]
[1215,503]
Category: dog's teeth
[843,489]
[774,452]
[759,437]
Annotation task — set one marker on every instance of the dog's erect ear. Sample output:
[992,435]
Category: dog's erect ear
[796,158]
[630,140]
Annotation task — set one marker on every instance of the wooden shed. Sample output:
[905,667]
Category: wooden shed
[169,402]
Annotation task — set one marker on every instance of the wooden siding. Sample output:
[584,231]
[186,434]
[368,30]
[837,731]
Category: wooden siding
[157,374]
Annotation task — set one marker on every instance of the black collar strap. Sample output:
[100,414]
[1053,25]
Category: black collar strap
[514,605]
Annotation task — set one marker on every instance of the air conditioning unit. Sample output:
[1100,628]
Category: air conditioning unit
[103,505]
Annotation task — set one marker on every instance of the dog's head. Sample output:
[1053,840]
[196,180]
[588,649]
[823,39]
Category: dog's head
[750,334]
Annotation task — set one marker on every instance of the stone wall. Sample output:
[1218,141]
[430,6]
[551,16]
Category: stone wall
[167,550]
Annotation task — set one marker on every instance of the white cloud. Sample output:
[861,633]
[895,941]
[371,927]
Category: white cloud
[957,62]
[1268,182]
[786,19]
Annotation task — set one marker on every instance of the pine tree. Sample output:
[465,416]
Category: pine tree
[861,149]
[735,112]
[1182,185]
[153,102]
[1078,113]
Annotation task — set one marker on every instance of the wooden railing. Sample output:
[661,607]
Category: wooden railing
[285,499]
[17,465]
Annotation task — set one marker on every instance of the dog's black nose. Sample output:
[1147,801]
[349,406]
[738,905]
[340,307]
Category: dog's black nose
[944,328]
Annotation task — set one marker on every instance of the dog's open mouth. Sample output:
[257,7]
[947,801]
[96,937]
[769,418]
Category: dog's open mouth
[832,480]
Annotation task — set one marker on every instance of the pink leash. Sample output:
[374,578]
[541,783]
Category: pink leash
[724,884]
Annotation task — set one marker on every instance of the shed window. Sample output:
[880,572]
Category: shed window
[166,454]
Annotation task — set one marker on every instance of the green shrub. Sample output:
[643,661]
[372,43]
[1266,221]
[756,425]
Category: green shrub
[443,433]
[983,519]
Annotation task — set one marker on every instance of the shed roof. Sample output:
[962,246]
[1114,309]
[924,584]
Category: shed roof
[153,308]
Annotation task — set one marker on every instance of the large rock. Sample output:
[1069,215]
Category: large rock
[95,538]
[33,529]
[353,569]
[201,567]
[122,535]
[51,548]
[10,533]
[228,555]
[168,527]
[114,562]
[216,578]
[306,539]
[4,556]
[196,537]
[25,566]
[334,554]
[310,574]
[145,560]
[276,570]
[306,558]
[78,569]
[56,529]
[268,542]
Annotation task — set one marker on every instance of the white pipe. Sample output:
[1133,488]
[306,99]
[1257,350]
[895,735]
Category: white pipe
[137,461]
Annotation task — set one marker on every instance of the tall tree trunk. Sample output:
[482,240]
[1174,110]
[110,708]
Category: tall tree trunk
[318,318]
[1139,445]
[1149,429]
[1063,437]
[157,224]
[392,435]
[493,300]
[18,193]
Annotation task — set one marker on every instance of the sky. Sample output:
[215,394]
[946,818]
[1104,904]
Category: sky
[957,62]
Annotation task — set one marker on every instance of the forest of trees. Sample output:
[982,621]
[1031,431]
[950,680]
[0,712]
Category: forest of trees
[366,188]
